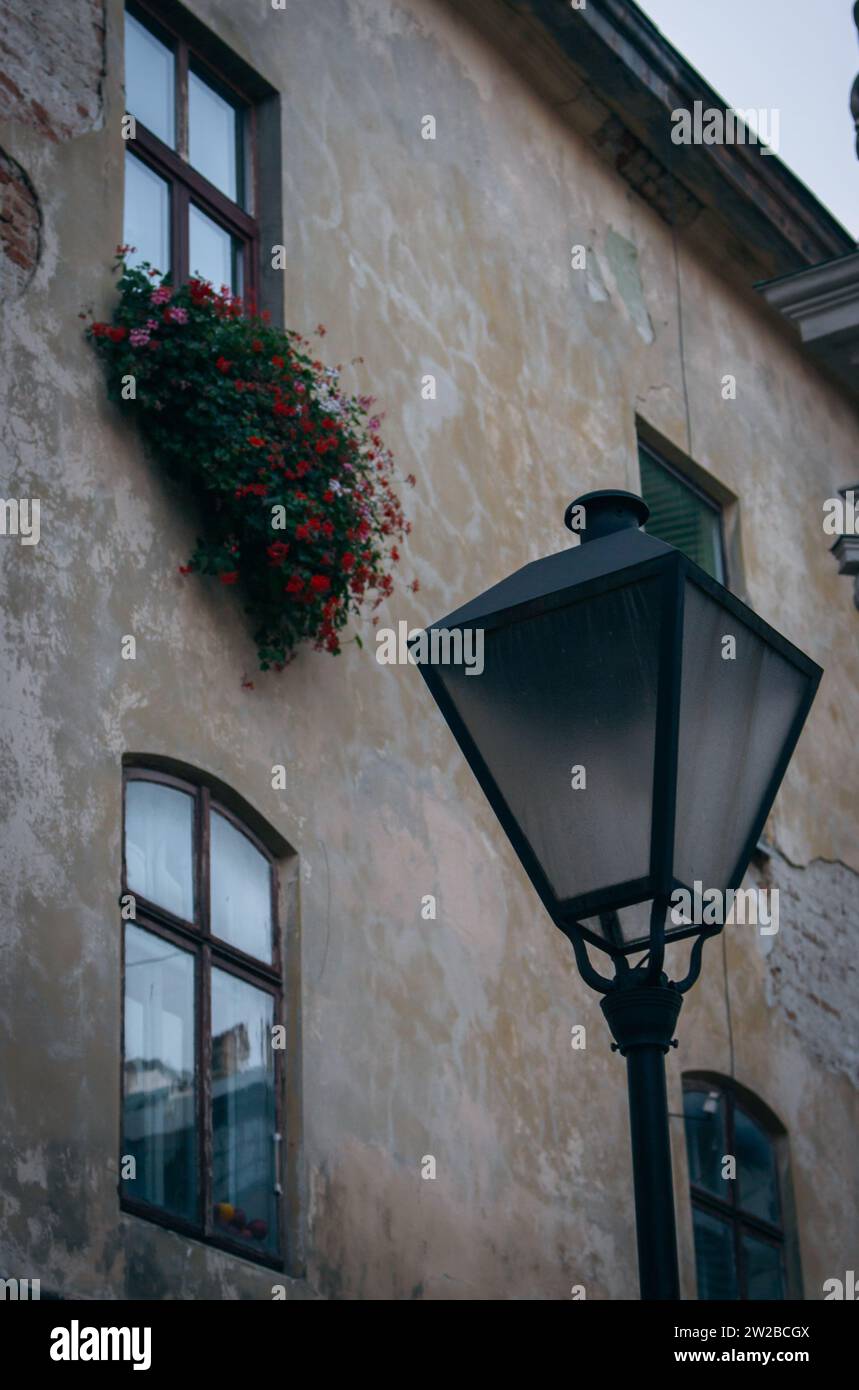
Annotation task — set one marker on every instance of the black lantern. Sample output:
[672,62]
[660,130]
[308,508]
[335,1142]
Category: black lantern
[630,726]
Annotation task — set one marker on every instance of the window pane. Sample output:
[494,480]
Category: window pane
[243,1112]
[705,1140]
[213,253]
[149,81]
[147,215]
[241,891]
[715,1265]
[756,1171]
[158,1113]
[762,1263]
[213,129]
[159,846]
[680,517]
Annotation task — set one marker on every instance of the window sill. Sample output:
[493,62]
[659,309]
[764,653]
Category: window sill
[189,1231]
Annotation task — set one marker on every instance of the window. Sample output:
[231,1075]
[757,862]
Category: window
[738,1222]
[681,514]
[187,168]
[201,1078]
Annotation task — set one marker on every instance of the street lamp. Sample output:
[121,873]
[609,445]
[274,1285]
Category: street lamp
[630,726]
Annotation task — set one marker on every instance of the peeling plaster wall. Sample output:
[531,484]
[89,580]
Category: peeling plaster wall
[451,1037]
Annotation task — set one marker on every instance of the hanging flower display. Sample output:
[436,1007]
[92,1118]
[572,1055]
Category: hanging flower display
[294,482]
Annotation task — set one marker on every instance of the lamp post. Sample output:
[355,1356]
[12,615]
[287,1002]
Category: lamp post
[630,727]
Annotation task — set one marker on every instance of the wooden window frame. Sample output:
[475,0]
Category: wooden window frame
[697,491]
[741,1222]
[186,184]
[209,950]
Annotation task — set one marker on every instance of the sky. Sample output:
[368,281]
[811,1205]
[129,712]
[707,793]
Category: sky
[798,57]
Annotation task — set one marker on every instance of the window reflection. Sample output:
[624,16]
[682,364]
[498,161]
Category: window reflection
[763,1268]
[714,1257]
[243,1112]
[150,81]
[705,1139]
[158,846]
[147,215]
[212,253]
[160,1094]
[241,890]
[755,1169]
[213,132]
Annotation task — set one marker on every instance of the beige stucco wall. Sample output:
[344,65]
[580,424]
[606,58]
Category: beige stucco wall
[451,1037]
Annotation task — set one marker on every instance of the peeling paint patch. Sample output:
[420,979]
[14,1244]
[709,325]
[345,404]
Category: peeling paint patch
[594,277]
[622,257]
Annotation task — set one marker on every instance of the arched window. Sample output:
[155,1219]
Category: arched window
[201,1114]
[739,1220]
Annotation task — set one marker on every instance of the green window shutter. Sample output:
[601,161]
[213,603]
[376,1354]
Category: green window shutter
[681,516]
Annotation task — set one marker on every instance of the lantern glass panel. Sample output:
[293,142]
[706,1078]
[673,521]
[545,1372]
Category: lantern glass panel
[575,687]
[622,927]
[735,716]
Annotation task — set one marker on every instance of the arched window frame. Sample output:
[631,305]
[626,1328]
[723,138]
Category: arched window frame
[736,1096]
[210,795]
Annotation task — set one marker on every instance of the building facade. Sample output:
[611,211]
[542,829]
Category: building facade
[581,290]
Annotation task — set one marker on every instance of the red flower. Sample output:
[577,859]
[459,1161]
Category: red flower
[116,335]
[281,409]
[223,365]
[347,560]
[328,496]
[320,583]
[414,586]
[301,533]
[327,528]
[277,552]
[229,578]
[277,362]
[256,441]
[184,569]
[256,345]
[100,330]
[294,586]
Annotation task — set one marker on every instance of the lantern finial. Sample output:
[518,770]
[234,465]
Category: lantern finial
[608,510]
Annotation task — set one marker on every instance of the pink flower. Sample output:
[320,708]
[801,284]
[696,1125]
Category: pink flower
[151,324]
[176,315]
[138,337]
[162,295]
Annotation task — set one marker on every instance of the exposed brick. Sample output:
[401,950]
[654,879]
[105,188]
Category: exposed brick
[620,148]
[20,228]
[812,974]
[56,83]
